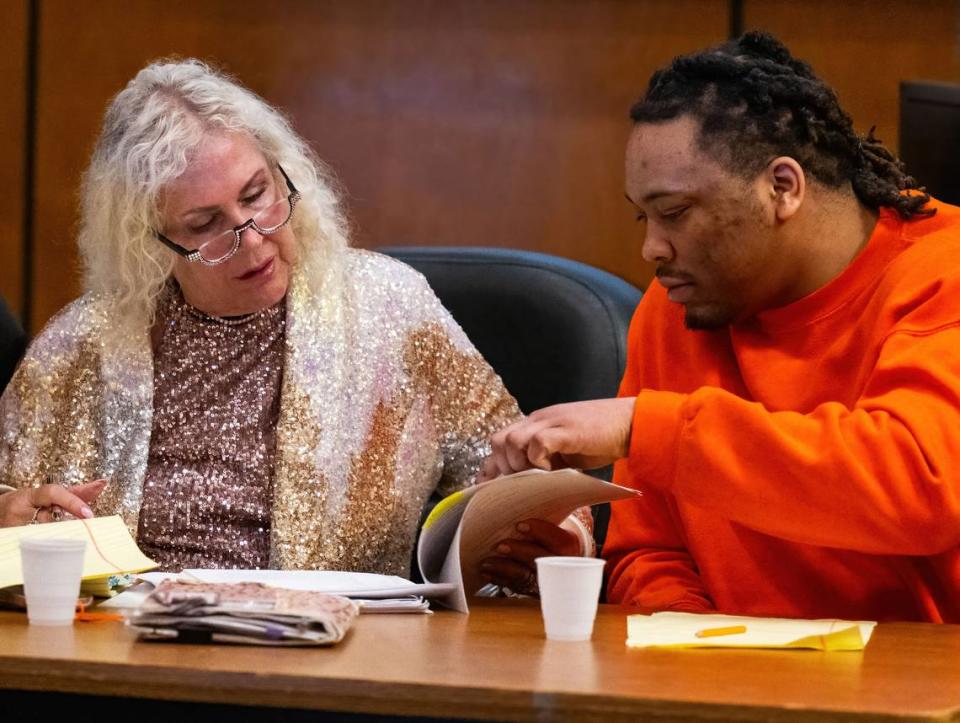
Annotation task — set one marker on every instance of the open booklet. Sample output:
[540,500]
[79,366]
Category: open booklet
[110,553]
[465,527]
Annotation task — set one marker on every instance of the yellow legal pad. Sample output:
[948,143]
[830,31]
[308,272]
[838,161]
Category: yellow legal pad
[679,630]
[111,551]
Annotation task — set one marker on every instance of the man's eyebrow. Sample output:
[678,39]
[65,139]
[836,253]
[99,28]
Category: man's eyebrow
[654,195]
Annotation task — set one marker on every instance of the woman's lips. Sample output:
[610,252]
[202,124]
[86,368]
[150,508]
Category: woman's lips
[258,272]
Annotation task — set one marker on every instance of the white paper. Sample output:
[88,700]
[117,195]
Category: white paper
[415,604]
[382,591]
[334,582]
[466,527]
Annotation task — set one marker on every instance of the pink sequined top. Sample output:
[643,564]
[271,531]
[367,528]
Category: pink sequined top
[207,494]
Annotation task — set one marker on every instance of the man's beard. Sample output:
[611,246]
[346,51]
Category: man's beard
[708,318]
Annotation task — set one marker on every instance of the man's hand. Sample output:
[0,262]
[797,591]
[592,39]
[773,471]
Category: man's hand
[584,435]
[28,503]
[514,565]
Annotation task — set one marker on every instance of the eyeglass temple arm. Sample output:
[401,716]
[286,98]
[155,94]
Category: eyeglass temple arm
[177,248]
[293,189]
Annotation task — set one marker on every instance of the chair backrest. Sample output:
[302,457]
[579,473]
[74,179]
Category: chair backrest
[13,343]
[554,329]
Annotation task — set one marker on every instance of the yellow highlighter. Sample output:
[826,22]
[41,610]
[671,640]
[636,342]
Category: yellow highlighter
[715,632]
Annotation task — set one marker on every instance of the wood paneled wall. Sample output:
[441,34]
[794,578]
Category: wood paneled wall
[864,48]
[13,72]
[449,122]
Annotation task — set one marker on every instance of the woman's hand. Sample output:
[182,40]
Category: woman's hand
[514,567]
[27,504]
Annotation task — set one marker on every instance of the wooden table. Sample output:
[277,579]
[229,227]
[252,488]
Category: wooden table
[496,664]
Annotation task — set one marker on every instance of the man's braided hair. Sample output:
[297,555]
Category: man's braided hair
[754,102]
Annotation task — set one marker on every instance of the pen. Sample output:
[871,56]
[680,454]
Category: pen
[714,632]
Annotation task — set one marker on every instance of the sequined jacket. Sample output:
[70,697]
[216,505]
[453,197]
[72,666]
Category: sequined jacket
[384,400]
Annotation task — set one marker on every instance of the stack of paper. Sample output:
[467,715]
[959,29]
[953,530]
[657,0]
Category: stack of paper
[688,630]
[373,593]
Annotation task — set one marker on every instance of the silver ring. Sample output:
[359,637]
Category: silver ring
[34,520]
[56,513]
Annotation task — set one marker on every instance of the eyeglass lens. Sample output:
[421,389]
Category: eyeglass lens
[266,220]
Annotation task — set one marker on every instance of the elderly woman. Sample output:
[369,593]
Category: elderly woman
[256,393]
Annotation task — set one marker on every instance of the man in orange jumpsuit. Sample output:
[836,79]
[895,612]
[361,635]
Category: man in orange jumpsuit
[791,404]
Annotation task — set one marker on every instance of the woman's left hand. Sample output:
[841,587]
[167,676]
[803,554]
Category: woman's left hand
[47,503]
[513,566]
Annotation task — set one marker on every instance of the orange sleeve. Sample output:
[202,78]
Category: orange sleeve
[648,563]
[882,477]
[647,560]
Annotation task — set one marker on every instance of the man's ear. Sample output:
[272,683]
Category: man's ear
[787,186]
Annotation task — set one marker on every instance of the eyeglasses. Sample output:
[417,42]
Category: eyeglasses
[217,246]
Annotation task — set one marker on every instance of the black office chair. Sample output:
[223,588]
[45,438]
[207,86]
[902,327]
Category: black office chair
[13,343]
[555,330]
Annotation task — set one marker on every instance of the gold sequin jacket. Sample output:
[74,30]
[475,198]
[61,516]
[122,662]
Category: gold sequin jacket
[383,401]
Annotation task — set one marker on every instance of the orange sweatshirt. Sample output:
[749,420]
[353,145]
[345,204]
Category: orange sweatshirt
[805,463]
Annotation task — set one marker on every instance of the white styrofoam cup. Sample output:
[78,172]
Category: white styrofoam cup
[569,592]
[51,579]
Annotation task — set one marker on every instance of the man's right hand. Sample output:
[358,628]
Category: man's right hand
[584,435]
[21,506]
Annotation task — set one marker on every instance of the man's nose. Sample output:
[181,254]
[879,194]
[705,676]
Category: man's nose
[656,246]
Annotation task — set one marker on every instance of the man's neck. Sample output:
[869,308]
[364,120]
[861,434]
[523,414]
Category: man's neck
[834,230]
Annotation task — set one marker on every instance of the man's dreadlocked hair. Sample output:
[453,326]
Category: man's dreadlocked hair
[754,102]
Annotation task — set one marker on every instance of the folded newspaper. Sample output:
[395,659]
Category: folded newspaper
[248,613]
